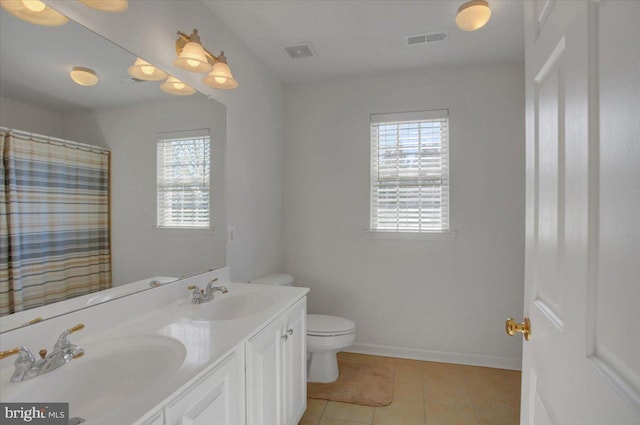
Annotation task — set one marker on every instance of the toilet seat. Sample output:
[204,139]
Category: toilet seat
[324,325]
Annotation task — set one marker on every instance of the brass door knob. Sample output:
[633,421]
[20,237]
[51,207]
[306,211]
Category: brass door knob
[524,328]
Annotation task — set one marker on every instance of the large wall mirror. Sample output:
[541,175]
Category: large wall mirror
[128,117]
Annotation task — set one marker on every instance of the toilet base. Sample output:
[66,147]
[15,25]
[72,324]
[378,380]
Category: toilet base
[323,367]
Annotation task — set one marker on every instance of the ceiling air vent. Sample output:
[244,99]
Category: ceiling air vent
[412,40]
[302,50]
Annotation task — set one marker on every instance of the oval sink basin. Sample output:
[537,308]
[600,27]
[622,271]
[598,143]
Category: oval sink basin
[110,373]
[236,304]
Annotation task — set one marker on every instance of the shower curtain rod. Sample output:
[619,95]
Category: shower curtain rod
[41,138]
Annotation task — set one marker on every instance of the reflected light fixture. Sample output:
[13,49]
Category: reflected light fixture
[107,5]
[34,12]
[473,15]
[84,76]
[177,87]
[143,70]
[191,54]
[220,77]
[189,47]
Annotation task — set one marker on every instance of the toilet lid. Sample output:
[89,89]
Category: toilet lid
[323,325]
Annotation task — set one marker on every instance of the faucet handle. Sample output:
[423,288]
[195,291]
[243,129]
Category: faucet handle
[43,353]
[25,357]
[195,289]
[77,327]
[63,341]
[5,354]
[32,321]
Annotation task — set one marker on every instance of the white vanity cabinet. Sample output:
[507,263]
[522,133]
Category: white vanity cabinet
[157,419]
[215,399]
[276,371]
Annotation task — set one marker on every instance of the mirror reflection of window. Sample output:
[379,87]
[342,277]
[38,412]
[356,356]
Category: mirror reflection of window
[184,174]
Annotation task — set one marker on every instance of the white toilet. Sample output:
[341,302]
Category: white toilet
[326,335]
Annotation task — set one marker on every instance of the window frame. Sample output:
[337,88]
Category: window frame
[397,229]
[185,136]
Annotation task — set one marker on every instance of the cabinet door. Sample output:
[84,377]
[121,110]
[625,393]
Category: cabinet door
[216,399]
[295,362]
[264,376]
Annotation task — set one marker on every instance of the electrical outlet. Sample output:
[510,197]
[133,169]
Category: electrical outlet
[231,234]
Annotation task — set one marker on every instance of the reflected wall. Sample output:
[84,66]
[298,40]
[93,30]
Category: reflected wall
[140,249]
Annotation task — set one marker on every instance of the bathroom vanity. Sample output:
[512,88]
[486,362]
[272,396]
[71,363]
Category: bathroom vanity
[155,358]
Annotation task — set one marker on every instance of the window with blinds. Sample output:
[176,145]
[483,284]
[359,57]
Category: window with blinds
[410,172]
[184,169]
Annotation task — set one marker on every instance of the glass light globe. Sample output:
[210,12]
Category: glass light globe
[473,15]
[177,87]
[84,76]
[143,70]
[34,5]
[220,77]
[107,5]
[34,12]
[192,58]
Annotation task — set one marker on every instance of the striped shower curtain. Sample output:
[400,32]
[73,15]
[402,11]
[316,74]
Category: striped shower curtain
[54,221]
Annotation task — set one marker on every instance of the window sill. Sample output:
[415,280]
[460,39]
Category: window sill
[439,236]
[211,228]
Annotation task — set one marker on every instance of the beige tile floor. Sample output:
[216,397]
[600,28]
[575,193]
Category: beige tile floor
[427,393]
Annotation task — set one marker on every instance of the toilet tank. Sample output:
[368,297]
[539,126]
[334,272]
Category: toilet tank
[278,279]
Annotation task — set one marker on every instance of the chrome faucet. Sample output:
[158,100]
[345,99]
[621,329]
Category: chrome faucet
[28,367]
[200,296]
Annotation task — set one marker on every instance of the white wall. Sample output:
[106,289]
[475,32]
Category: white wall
[433,299]
[254,116]
[19,115]
[139,249]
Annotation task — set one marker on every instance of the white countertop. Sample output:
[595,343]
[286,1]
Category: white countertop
[162,311]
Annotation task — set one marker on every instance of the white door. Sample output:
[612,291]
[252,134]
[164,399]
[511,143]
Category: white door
[582,276]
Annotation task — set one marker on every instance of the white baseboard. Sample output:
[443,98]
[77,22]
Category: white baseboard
[436,356]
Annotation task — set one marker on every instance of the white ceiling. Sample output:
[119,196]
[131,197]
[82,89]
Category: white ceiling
[349,37]
[366,36]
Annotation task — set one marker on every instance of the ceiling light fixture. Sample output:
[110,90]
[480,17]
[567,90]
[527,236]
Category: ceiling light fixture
[473,15]
[143,70]
[192,56]
[107,5]
[177,87]
[84,76]
[34,12]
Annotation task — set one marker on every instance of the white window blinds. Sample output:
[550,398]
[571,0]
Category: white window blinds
[184,169]
[410,172]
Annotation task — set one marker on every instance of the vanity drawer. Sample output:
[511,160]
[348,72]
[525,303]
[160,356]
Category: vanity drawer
[215,399]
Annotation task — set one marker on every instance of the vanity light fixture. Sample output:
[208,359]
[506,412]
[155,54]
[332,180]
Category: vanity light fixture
[34,12]
[220,77]
[84,76]
[177,87]
[143,70]
[107,5]
[473,15]
[191,54]
[189,48]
